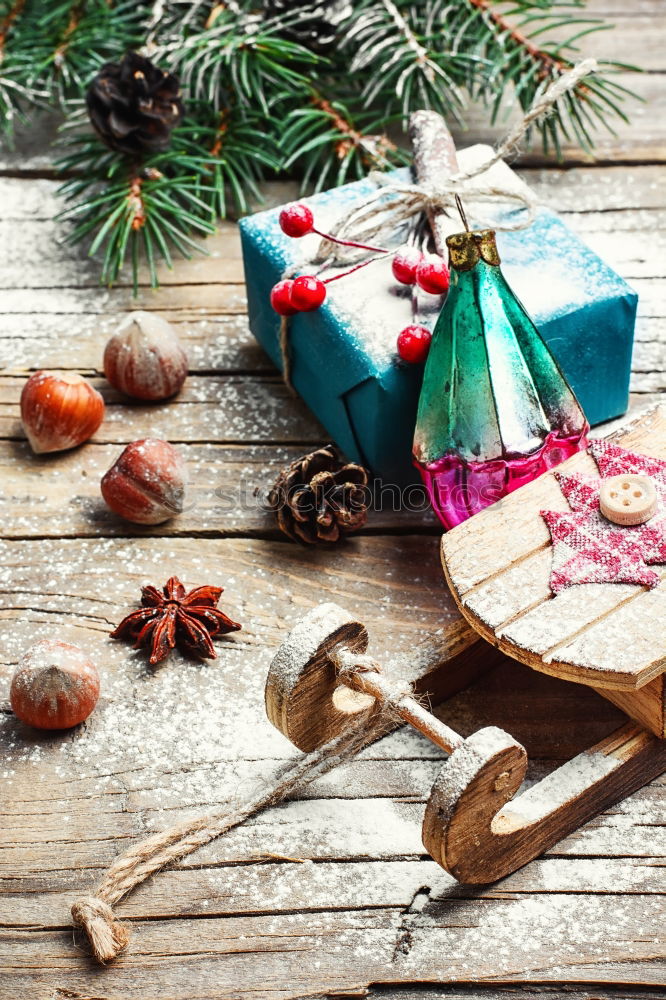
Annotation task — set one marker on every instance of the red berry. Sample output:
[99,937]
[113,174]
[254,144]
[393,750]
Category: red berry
[308,293]
[404,265]
[281,298]
[296,219]
[432,274]
[414,344]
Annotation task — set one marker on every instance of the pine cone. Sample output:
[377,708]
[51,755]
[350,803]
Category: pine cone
[133,105]
[318,498]
[317,25]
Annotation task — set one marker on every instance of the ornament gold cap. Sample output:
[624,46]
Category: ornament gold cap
[467,249]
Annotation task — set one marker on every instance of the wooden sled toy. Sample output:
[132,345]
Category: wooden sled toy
[607,635]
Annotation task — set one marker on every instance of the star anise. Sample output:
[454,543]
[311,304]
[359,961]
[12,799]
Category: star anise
[172,617]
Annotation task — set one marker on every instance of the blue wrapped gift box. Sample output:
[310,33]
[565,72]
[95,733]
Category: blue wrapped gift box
[344,363]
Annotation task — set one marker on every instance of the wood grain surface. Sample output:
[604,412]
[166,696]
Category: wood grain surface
[330,895]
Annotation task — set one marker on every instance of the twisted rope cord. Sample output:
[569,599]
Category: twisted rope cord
[108,936]
[541,105]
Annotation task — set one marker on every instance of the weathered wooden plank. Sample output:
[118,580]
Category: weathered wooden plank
[203,300]
[618,10]
[59,264]
[222,345]
[270,887]
[70,340]
[648,382]
[217,298]
[313,832]
[226,495]
[620,190]
[68,855]
[228,409]
[92,583]
[496,992]
[398,775]
[630,34]
[598,189]
[436,941]
[634,36]
[561,721]
[217,409]
[635,253]
[58,496]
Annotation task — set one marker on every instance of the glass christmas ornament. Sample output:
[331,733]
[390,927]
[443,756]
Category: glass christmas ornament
[495,410]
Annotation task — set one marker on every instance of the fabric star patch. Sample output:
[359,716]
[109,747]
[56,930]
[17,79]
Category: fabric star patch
[587,548]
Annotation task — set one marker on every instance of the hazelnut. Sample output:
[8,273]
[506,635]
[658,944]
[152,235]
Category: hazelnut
[147,482]
[59,411]
[55,686]
[145,358]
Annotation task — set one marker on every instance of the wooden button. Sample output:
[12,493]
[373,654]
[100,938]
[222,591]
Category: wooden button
[628,499]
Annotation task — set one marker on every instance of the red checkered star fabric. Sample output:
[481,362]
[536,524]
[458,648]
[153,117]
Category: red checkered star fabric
[587,548]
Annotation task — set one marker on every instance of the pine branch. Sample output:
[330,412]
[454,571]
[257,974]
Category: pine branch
[260,99]
[516,62]
[14,11]
[14,93]
[72,41]
[331,145]
[430,54]
[246,58]
[414,72]
[50,51]
[143,210]
[157,207]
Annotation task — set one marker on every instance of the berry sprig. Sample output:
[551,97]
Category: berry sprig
[297,220]
[409,266]
[307,292]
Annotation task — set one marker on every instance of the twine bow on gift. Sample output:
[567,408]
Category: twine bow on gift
[394,203]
